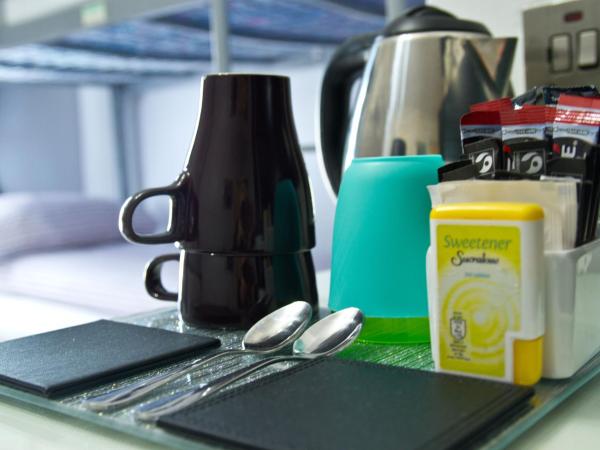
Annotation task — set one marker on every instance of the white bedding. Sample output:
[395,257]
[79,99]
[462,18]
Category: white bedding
[22,316]
[104,279]
[45,291]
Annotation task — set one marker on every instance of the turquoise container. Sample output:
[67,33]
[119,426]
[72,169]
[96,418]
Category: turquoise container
[380,241]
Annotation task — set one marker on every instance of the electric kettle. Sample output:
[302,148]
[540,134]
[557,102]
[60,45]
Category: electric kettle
[418,77]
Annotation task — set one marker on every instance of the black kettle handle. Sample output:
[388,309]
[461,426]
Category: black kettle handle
[346,65]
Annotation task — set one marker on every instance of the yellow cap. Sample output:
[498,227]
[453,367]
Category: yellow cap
[528,361]
[488,211]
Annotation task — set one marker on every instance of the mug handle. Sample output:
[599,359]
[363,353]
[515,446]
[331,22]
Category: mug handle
[152,279]
[176,223]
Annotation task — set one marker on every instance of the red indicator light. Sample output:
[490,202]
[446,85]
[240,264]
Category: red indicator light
[573,16]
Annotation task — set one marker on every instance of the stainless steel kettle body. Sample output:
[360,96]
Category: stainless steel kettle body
[414,88]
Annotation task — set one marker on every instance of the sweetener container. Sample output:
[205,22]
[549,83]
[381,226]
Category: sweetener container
[485,280]
[572,308]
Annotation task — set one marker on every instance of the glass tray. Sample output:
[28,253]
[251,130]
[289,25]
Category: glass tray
[549,393]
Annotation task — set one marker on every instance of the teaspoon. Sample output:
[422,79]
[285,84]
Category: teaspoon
[326,337]
[270,334]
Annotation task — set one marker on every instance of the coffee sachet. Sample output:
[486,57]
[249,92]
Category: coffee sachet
[499,104]
[528,158]
[549,95]
[519,127]
[456,171]
[550,116]
[486,155]
[576,126]
[478,125]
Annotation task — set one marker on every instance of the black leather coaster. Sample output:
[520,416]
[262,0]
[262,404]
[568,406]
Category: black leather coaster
[345,405]
[73,359]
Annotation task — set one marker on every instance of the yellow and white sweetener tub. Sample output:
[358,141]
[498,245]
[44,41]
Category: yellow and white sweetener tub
[485,279]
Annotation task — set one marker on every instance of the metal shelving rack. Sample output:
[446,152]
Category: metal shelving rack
[133,41]
[123,44]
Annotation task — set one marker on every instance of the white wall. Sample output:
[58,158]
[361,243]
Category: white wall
[167,116]
[503,19]
[39,138]
[99,158]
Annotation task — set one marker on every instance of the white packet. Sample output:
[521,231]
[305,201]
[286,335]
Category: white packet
[558,198]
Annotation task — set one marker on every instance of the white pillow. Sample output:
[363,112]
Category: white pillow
[37,221]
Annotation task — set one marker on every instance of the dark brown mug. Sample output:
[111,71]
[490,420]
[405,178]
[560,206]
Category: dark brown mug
[233,290]
[241,210]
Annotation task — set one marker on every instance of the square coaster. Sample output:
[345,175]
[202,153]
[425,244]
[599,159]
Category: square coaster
[334,404]
[73,359]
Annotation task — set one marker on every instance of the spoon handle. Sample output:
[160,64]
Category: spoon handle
[123,396]
[167,405]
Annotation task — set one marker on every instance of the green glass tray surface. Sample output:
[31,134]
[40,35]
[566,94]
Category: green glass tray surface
[549,393]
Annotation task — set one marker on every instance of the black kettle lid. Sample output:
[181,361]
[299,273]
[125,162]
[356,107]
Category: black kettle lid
[428,18]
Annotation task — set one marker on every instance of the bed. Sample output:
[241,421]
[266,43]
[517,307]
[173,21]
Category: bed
[49,290]
[63,262]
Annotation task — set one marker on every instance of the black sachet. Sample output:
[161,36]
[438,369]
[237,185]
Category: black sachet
[457,170]
[529,158]
[486,155]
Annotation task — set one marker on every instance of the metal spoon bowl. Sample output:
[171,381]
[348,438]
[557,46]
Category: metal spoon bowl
[278,329]
[331,334]
[326,337]
[270,334]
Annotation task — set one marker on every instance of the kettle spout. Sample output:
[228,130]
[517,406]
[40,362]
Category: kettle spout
[496,55]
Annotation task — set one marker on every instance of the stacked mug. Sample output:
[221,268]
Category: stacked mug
[241,210]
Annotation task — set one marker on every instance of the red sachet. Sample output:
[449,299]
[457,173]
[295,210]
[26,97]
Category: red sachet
[478,125]
[576,126]
[525,126]
[499,104]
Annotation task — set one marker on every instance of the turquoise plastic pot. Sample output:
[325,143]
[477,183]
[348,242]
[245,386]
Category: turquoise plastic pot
[380,239]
